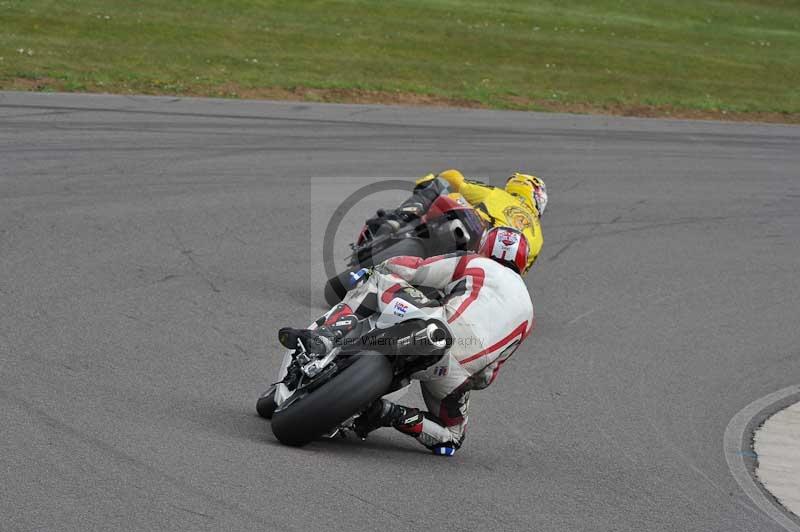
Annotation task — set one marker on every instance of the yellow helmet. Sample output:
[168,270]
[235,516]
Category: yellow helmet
[530,188]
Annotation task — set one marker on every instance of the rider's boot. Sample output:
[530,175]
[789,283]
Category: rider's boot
[391,221]
[410,210]
[388,226]
[383,413]
[383,223]
[319,341]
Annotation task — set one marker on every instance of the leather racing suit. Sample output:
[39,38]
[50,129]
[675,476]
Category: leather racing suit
[489,312]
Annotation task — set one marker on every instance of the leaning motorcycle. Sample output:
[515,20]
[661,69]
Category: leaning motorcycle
[374,357]
[449,224]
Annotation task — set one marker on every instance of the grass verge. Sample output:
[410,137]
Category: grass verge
[708,59]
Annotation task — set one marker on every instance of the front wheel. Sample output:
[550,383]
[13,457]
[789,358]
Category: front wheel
[265,406]
[336,288]
[366,379]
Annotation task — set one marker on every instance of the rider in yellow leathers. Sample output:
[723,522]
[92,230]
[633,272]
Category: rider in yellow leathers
[519,205]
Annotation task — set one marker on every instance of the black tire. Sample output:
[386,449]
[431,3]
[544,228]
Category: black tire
[265,406]
[336,287]
[412,247]
[362,382]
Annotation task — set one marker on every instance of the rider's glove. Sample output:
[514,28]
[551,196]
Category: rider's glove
[410,211]
[359,276]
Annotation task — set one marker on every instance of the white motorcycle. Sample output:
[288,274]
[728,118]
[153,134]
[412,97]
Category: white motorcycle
[373,357]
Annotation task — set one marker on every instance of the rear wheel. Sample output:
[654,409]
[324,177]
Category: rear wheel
[337,287]
[366,379]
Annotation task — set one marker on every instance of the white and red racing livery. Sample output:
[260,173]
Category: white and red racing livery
[489,312]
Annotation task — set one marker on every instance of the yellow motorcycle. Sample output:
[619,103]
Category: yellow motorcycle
[449,224]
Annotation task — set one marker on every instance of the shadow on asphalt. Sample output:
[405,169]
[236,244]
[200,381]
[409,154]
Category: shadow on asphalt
[234,421]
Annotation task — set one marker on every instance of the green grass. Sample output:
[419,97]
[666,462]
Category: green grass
[708,55]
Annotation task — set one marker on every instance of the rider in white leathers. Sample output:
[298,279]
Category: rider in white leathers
[489,312]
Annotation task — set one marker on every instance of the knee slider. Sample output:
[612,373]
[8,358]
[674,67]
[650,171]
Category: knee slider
[444,449]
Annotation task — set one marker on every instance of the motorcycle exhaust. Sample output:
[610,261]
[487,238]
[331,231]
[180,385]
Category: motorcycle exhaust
[431,338]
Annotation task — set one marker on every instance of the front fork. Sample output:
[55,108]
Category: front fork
[282,392]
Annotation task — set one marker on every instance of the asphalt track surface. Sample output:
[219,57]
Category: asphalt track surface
[150,247]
